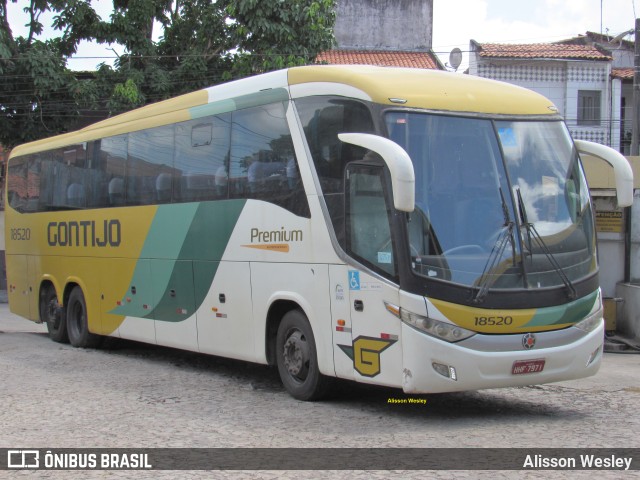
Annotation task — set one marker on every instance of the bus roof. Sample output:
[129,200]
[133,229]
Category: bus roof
[417,88]
[430,89]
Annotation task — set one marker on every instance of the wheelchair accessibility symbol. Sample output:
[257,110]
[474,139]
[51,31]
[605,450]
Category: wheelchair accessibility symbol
[354,280]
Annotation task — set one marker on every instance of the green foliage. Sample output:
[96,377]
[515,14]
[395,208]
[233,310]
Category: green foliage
[204,42]
[276,34]
[36,93]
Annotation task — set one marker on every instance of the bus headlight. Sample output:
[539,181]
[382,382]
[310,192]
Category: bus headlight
[435,328]
[590,323]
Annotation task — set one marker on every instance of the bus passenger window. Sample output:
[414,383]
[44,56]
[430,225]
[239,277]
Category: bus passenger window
[263,165]
[17,183]
[149,154]
[163,188]
[201,153]
[116,192]
[323,118]
[76,196]
[109,167]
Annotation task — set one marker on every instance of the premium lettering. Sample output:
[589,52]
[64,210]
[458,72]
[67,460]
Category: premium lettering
[281,235]
[85,233]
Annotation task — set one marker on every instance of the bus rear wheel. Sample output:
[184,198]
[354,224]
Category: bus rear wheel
[77,322]
[297,358]
[53,315]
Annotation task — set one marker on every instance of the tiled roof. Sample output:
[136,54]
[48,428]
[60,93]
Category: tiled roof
[541,50]
[623,73]
[379,58]
[603,41]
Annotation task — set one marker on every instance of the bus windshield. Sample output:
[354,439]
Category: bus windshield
[499,204]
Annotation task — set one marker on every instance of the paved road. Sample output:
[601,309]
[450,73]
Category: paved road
[134,395]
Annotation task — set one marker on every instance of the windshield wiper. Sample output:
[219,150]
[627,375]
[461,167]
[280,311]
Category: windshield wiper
[533,232]
[506,236]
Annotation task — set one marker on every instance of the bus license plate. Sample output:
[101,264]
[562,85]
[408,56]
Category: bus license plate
[522,367]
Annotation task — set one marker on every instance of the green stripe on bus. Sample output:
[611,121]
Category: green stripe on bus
[245,101]
[191,253]
[206,239]
[563,314]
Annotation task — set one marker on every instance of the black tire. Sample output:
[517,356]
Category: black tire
[77,323]
[297,359]
[53,315]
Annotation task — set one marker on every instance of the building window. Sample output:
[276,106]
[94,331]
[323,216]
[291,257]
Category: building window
[589,107]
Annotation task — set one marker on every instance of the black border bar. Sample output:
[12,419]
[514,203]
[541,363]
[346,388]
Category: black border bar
[320,459]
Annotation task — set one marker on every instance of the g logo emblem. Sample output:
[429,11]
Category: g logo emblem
[365,353]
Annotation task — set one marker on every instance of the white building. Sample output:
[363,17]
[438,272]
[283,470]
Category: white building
[579,75]
[389,33]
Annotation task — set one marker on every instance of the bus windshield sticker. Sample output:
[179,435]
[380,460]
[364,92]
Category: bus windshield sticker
[384,257]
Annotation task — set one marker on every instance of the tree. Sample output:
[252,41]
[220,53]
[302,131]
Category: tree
[204,42]
[272,34]
[39,96]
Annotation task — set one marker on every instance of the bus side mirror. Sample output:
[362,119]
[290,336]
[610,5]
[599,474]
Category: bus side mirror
[397,160]
[621,168]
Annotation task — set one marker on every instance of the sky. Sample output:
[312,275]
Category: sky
[455,22]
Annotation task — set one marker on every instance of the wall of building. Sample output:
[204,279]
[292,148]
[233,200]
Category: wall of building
[560,82]
[629,309]
[590,76]
[546,78]
[622,57]
[384,24]
[611,232]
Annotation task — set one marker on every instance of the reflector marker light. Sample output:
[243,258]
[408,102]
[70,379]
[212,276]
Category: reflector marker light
[388,336]
[445,370]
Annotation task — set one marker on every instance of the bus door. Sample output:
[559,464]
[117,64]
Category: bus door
[375,333]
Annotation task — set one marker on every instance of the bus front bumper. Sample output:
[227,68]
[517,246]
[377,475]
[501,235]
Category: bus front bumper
[434,366]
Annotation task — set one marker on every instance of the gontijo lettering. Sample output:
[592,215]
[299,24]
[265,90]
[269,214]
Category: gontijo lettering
[85,233]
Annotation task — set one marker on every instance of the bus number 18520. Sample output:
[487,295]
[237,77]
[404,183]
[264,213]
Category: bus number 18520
[491,321]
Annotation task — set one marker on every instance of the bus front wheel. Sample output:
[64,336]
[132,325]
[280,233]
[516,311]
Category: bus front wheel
[53,315]
[297,358]
[77,322]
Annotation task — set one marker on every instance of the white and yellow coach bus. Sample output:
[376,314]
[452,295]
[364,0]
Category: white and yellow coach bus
[416,229]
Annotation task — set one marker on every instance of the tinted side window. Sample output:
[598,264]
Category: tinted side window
[369,219]
[150,166]
[71,161]
[263,163]
[202,153]
[51,180]
[17,183]
[108,167]
[33,183]
[323,118]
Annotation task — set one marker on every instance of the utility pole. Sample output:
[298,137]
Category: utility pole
[635,133]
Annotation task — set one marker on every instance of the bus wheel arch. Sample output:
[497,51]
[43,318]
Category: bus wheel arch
[52,313]
[277,311]
[297,359]
[77,319]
